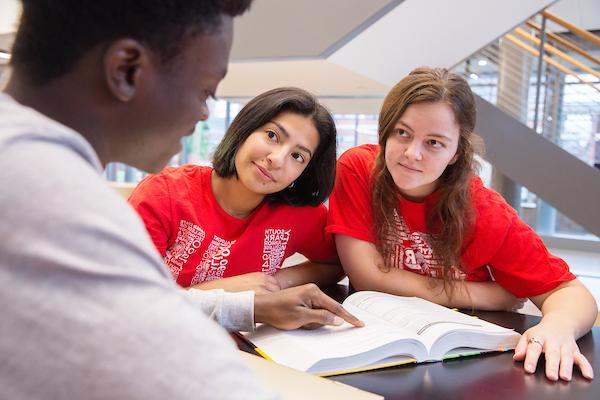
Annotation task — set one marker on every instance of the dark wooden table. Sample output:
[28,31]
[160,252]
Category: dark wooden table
[489,376]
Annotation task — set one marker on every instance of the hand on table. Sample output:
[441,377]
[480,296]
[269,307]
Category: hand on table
[301,306]
[260,282]
[560,349]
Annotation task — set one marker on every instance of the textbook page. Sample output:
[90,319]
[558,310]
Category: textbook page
[397,330]
[302,349]
[434,325]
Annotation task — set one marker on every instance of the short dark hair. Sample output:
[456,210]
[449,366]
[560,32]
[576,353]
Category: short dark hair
[315,183]
[54,34]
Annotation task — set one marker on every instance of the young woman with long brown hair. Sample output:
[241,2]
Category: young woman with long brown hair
[413,203]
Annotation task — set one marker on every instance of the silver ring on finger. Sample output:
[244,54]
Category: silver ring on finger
[533,339]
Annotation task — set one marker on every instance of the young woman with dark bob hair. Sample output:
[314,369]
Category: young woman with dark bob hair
[411,217]
[231,226]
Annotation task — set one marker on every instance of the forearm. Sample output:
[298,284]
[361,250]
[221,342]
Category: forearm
[256,281]
[233,311]
[362,261]
[223,283]
[570,306]
[488,296]
[406,283]
[321,274]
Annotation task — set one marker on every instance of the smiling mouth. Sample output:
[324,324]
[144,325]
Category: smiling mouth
[409,168]
[264,173]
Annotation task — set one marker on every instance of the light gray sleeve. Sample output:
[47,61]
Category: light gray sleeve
[233,311]
[88,308]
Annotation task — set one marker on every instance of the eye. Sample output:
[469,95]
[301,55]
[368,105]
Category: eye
[401,132]
[436,144]
[298,157]
[272,135]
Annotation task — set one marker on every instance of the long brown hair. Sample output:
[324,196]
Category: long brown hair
[449,221]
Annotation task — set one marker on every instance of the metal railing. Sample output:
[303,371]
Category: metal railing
[550,82]
[546,81]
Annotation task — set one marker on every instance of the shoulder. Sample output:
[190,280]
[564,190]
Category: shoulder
[176,178]
[173,191]
[491,210]
[25,131]
[359,160]
[83,209]
[364,154]
[54,168]
[183,173]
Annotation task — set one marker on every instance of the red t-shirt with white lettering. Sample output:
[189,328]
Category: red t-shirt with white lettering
[500,245]
[201,242]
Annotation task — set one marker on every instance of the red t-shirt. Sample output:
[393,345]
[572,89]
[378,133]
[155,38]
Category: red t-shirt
[500,246]
[200,241]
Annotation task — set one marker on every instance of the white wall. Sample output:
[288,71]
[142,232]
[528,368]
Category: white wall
[583,13]
[9,15]
[437,33]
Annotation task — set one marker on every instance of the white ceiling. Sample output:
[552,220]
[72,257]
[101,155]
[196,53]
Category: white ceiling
[340,89]
[404,39]
[9,18]
[246,79]
[276,29]
[368,60]
[583,13]
[9,15]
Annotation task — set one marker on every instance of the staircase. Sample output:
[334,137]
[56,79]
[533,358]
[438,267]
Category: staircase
[539,113]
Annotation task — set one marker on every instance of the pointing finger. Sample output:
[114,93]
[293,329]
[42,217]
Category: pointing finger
[336,309]
[314,318]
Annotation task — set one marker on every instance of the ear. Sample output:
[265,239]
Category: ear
[454,159]
[126,63]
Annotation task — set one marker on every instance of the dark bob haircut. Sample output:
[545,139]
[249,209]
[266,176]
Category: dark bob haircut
[315,183]
[54,34]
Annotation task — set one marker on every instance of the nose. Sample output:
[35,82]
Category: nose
[276,157]
[413,151]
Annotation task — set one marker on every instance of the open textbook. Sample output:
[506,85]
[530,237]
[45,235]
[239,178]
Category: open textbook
[398,330]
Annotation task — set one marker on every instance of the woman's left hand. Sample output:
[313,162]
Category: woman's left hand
[560,349]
